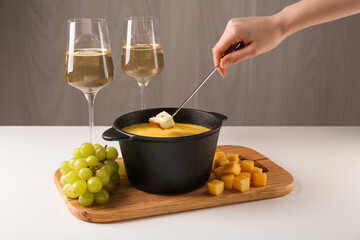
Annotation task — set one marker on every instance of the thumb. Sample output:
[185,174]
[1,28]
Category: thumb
[238,56]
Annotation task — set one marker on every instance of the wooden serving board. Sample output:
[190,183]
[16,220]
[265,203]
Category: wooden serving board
[127,202]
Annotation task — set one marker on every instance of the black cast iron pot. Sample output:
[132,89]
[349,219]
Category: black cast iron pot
[167,165]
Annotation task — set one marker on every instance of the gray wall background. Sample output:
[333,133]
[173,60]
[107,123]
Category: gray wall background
[312,78]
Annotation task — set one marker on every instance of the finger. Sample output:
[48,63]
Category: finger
[216,56]
[226,40]
[221,47]
[218,52]
[238,56]
[222,71]
[216,59]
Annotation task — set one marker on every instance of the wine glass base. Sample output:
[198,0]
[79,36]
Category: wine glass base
[143,83]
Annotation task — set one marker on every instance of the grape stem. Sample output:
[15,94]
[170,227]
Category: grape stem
[95,168]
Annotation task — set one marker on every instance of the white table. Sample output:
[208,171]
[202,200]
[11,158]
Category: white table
[324,204]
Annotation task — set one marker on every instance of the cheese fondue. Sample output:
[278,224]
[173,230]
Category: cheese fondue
[179,130]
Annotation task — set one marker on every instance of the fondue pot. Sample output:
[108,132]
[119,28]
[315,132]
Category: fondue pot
[167,165]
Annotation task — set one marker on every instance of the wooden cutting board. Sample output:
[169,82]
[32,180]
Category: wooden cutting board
[127,202]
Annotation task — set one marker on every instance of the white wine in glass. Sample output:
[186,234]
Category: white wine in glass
[89,79]
[141,54]
[88,63]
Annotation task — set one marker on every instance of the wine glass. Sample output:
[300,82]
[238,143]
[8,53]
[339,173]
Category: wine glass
[88,64]
[142,53]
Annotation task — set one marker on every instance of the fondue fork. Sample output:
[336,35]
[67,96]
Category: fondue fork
[232,49]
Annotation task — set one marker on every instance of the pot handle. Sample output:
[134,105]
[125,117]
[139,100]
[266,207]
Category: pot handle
[221,117]
[113,135]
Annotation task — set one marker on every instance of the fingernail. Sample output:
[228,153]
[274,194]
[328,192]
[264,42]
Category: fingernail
[227,64]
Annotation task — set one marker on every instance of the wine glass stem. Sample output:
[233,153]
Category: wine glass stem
[142,92]
[91,100]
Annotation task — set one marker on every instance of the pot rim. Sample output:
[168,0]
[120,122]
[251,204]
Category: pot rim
[169,139]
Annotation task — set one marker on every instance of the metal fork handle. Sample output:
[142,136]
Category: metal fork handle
[232,49]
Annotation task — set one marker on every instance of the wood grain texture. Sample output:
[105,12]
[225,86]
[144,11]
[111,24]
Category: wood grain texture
[312,78]
[126,202]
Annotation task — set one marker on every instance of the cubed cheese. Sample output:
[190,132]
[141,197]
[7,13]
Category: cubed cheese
[219,155]
[246,174]
[255,170]
[259,179]
[232,157]
[220,162]
[218,172]
[247,165]
[241,183]
[228,181]
[232,168]
[215,187]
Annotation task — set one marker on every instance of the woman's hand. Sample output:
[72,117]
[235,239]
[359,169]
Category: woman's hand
[259,35]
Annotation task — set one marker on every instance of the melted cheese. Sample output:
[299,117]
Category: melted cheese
[179,130]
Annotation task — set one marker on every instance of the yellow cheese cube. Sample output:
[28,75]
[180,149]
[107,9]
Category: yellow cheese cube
[218,172]
[255,169]
[246,174]
[122,170]
[215,187]
[259,179]
[224,162]
[247,165]
[232,168]
[220,162]
[228,181]
[219,155]
[216,162]
[232,157]
[241,183]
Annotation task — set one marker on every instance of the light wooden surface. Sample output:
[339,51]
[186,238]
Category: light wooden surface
[126,202]
[312,78]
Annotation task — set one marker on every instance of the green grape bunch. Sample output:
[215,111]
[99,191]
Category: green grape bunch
[91,174]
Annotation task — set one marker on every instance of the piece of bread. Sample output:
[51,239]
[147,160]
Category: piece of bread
[163,120]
